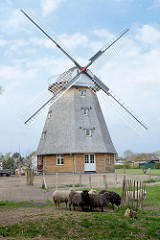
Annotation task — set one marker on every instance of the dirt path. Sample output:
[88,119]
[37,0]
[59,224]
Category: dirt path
[15,188]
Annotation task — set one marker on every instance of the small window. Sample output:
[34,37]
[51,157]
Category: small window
[88,132]
[91,158]
[109,160]
[85,111]
[83,92]
[49,114]
[44,135]
[86,158]
[59,160]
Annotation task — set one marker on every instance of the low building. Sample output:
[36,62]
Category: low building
[146,165]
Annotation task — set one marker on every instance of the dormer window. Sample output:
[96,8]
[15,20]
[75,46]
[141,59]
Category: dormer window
[83,92]
[88,132]
[44,135]
[85,111]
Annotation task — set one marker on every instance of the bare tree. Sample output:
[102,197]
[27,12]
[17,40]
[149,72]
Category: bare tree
[128,153]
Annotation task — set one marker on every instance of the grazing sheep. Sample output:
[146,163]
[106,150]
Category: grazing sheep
[79,199]
[92,191]
[98,200]
[60,196]
[112,197]
[136,195]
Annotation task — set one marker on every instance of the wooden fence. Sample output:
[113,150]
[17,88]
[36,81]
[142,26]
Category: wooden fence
[133,194]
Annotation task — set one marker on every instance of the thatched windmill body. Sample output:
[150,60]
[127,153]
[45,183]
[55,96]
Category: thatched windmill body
[75,137]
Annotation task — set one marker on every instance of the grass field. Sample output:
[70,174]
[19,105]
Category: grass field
[154,172]
[63,224]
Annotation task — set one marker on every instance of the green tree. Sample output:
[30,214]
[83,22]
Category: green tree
[8,161]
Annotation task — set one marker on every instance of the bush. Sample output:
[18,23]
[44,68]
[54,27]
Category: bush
[157,165]
[135,166]
[127,166]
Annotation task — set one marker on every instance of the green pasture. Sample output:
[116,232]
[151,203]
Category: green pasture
[139,171]
[113,225]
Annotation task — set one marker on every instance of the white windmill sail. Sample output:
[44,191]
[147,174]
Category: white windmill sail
[99,58]
[49,96]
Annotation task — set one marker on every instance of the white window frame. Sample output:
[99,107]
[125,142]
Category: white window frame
[89,157]
[90,132]
[61,159]
[85,111]
[83,92]
[93,158]
[86,158]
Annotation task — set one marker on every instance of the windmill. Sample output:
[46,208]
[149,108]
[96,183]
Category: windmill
[75,136]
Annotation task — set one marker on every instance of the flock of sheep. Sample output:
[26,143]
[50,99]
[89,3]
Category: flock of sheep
[86,200]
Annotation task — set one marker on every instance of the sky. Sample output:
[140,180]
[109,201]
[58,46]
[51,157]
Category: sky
[28,59]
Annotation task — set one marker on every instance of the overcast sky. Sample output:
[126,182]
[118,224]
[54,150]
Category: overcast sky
[29,59]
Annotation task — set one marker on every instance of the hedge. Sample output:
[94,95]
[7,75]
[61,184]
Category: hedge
[157,165]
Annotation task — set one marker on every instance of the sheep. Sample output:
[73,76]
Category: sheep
[92,191]
[136,195]
[60,196]
[112,197]
[98,200]
[79,199]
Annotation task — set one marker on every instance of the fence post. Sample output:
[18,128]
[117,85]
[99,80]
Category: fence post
[149,170]
[105,182]
[137,197]
[116,177]
[124,170]
[30,177]
[80,179]
[73,181]
[56,181]
[90,183]
[124,192]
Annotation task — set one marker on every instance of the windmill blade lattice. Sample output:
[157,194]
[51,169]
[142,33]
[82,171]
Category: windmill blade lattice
[49,33]
[43,101]
[127,114]
[110,49]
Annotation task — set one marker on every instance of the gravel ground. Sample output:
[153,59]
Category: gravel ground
[15,188]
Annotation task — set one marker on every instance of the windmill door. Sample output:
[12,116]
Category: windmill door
[89,163]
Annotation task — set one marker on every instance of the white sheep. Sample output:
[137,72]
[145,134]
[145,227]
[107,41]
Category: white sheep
[137,195]
[61,196]
[92,191]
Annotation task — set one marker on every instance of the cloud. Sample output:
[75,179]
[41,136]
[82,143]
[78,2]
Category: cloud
[148,35]
[13,22]
[12,76]
[103,33]
[155,4]
[48,6]
[75,40]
